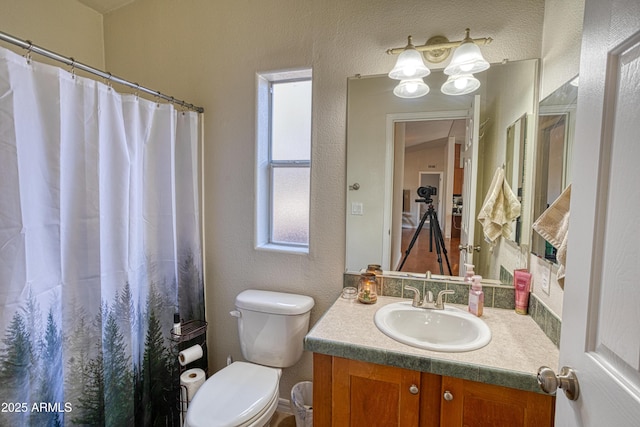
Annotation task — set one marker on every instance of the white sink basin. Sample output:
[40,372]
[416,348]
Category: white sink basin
[448,330]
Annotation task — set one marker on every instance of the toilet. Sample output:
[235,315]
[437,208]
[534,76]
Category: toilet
[271,327]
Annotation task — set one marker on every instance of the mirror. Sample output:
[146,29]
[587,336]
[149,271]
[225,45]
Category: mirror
[556,124]
[514,167]
[379,126]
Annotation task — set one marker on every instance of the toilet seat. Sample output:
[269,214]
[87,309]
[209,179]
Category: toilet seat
[239,395]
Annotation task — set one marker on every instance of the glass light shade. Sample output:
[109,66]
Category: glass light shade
[409,65]
[460,85]
[467,59]
[411,88]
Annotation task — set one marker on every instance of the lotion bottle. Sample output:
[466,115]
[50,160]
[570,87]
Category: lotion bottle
[476,296]
[522,284]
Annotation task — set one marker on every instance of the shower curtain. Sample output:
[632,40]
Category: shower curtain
[99,247]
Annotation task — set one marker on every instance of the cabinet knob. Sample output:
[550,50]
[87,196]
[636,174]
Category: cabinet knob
[414,389]
[447,395]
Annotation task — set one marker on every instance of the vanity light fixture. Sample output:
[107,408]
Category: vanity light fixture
[410,67]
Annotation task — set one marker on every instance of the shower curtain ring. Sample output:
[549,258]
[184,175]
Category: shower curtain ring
[137,92]
[27,55]
[73,67]
[158,99]
[108,80]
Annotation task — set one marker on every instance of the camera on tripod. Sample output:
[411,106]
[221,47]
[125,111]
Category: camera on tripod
[435,232]
[427,192]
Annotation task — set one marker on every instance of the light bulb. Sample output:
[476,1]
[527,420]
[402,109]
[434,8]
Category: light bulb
[465,68]
[461,83]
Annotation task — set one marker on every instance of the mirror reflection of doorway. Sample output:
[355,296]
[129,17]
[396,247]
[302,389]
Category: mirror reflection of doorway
[428,149]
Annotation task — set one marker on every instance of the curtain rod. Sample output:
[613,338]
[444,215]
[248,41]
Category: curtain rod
[30,47]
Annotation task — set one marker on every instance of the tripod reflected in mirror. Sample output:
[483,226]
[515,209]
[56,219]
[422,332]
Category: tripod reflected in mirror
[435,232]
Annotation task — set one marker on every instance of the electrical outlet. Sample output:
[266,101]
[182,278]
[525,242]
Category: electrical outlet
[357,208]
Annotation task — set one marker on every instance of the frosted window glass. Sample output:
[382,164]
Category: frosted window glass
[290,205]
[291,121]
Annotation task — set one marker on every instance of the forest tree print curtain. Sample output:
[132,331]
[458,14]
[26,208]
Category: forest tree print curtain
[99,247]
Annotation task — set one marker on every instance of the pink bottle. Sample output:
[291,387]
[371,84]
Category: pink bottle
[476,296]
[522,283]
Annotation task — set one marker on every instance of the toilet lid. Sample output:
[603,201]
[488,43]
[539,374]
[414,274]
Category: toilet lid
[233,395]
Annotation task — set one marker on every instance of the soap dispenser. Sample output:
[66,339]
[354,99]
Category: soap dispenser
[476,296]
[469,272]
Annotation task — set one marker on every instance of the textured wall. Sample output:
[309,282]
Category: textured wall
[208,53]
[64,26]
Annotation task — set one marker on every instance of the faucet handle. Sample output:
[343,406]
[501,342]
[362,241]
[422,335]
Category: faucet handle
[417,302]
[439,303]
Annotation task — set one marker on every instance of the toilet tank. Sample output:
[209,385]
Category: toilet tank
[272,326]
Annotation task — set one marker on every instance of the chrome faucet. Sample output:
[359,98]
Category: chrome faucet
[428,302]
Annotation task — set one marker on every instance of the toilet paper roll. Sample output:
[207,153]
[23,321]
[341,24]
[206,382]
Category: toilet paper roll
[190,380]
[190,354]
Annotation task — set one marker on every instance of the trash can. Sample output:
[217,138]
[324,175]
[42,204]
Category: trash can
[301,402]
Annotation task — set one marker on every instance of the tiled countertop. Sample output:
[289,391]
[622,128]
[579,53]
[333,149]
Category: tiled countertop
[517,349]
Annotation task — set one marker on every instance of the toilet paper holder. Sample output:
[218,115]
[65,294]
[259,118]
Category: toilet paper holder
[189,346]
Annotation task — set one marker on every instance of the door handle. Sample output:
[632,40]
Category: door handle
[567,381]
[469,248]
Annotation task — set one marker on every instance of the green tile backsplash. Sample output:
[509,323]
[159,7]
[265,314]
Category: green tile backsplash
[495,296]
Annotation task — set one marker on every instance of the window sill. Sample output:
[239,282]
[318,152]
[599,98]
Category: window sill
[272,247]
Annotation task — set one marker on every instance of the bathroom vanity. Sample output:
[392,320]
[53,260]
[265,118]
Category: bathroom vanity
[361,377]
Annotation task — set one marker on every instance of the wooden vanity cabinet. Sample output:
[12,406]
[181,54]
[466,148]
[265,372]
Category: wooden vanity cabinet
[475,404]
[359,394]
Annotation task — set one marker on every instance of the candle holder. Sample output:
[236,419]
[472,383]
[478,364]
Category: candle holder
[367,289]
[377,270]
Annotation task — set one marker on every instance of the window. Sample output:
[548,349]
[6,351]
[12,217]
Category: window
[283,161]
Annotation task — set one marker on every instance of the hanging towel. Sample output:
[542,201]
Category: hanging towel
[553,225]
[499,209]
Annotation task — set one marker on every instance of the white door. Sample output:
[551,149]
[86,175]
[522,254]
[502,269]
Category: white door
[469,155]
[601,315]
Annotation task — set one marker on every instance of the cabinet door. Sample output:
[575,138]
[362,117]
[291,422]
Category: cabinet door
[369,395]
[473,404]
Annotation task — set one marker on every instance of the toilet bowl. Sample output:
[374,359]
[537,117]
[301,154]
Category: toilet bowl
[271,327]
[240,395]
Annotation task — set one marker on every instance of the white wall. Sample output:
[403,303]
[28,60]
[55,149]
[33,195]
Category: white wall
[63,26]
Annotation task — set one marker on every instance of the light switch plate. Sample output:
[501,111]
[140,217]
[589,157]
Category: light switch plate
[544,283]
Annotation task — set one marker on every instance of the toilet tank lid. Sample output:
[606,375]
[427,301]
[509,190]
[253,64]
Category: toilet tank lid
[274,302]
